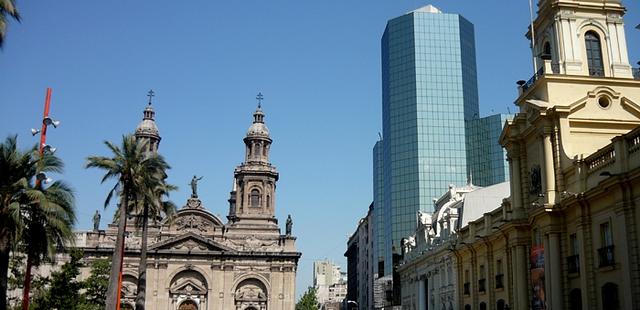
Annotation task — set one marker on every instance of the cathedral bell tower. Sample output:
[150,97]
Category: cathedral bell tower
[581,38]
[147,129]
[252,201]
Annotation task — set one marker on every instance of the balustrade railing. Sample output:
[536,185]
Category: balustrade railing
[573,263]
[602,158]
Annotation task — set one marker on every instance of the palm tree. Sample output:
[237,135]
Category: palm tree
[16,167]
[134,169]
[47,217]
[7,7]
[152,207]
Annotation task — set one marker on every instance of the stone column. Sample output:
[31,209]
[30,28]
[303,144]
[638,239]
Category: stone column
[549,174]
[520,276]
[548,271]
[555,273]
[422,297]
[514,167]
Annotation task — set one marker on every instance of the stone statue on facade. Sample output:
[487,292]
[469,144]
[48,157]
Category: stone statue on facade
[96,221]
[289,225]
[194,186]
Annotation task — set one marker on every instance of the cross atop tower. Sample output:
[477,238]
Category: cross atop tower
[259,97]
[150,94]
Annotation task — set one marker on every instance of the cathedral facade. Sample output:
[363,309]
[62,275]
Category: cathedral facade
[197,261]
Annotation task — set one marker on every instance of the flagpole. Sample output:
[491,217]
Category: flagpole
[533,38]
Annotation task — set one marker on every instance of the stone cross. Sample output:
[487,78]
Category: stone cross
[259,97]
[150,94]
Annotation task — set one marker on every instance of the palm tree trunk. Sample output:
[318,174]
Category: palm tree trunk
[142,267]
[27,283]
[4,270]
[118,254]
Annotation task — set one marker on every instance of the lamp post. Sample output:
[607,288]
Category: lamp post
[41,177]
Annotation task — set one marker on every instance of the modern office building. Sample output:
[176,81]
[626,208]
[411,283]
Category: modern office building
[486,159]
[378,223]
[429,88]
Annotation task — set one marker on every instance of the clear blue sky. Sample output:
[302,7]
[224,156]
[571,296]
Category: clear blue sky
[316,62]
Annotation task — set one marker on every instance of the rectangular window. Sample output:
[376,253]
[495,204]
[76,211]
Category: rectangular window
[573,244]
[605,234]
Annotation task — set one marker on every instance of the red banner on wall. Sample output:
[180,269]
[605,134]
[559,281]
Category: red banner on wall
[537,277]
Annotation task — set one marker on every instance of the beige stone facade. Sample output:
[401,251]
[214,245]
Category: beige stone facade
[196,261]
[567,237]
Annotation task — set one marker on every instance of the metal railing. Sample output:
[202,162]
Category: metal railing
[482,285]
[573,263]
[606,256]
[596,71]
[533,79]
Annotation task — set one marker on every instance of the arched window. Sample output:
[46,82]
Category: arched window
[594,53]
[483,306]
[500,304]
[255,198]
[467,307]
[575,299]
[546,51]
[610,296]
[268,201]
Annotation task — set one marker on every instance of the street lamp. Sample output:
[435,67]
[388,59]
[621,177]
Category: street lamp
[48,148]
[48,122]
[352,302]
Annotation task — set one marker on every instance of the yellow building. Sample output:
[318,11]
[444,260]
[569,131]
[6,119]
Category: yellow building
[568,236]
[570,231]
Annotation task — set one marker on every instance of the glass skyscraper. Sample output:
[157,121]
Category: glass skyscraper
[429,88]
[486,159]
[378,211]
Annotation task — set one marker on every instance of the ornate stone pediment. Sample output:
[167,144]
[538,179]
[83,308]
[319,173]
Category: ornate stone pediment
[188,287]
[190,242]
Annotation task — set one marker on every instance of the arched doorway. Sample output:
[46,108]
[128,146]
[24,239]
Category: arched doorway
[251,294]
[188,305]
[610,298]
[188,290]
[575,299]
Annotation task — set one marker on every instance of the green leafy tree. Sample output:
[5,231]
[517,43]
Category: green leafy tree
[7,8]
[152,207]
[309,301]
[134,169]
[96,285]
[16,168]
[47,215]
[63,289]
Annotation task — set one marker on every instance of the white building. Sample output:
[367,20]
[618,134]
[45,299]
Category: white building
[429,272]
[326,274]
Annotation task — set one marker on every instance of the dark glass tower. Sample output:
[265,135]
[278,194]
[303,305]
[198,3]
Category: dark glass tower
[429,88]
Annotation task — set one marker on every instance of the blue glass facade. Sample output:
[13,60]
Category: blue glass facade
[379,229]
[429,88]
[486,159]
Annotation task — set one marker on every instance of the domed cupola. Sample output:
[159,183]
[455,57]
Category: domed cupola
[257,140]
[258,128]
[147,129]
